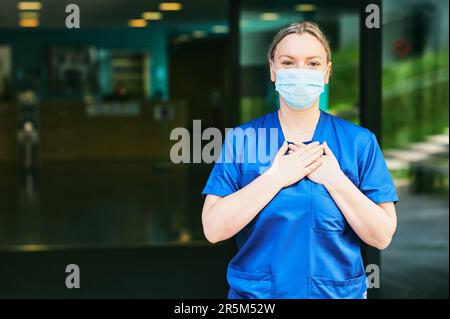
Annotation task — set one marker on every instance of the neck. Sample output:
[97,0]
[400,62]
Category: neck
[299,120]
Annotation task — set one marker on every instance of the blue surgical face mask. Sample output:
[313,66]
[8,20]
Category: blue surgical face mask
[299,88]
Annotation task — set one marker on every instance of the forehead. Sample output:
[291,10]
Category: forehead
[300,46]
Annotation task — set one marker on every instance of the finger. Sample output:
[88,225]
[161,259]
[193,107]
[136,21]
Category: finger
[299,145]
[312,158]
[303,145]
[311,150]
[294,147]
[302,149]
[282,149]
[311,146]
[313,166]
[327,149]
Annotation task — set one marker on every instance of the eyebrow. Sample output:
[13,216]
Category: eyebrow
[309,58]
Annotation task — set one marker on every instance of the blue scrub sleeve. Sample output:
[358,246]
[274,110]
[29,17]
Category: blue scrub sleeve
[375,180]
[225,175]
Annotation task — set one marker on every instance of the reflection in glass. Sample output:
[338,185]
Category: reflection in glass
[416,141]
[87,161]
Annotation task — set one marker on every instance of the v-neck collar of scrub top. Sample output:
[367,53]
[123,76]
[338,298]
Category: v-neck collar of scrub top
[317,131]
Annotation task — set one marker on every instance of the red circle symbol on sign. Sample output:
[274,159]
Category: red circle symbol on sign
[401,47]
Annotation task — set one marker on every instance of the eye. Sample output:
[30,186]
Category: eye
[314,64]
[287,63]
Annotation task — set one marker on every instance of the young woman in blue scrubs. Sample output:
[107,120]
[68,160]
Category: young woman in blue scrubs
[299,222]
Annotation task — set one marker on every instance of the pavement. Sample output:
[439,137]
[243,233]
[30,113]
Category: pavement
[415,265]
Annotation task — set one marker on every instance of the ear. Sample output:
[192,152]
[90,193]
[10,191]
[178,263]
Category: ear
[328,72]
[272,71]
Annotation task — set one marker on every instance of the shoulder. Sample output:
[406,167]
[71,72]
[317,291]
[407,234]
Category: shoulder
[263,121]
[359,135]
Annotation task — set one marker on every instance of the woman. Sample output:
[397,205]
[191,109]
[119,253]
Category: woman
[299,224]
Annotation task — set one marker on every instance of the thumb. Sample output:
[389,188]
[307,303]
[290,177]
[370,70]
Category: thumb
[327,149]
[283,149]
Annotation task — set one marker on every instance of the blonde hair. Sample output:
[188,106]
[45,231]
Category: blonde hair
[300,28]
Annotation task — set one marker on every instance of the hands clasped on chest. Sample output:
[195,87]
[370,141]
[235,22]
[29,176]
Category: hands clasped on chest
[315,161]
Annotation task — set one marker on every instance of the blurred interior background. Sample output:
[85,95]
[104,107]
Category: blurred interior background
[85,118]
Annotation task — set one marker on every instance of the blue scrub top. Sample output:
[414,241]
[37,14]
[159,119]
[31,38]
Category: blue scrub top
[300,245]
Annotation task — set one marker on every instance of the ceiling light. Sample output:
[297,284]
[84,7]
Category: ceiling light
[137,23]
[305,7]
[29,5]
[220,29]
[29,14]
[270,16]
[198,34]
[152,15]
[170,6]
[28,23]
